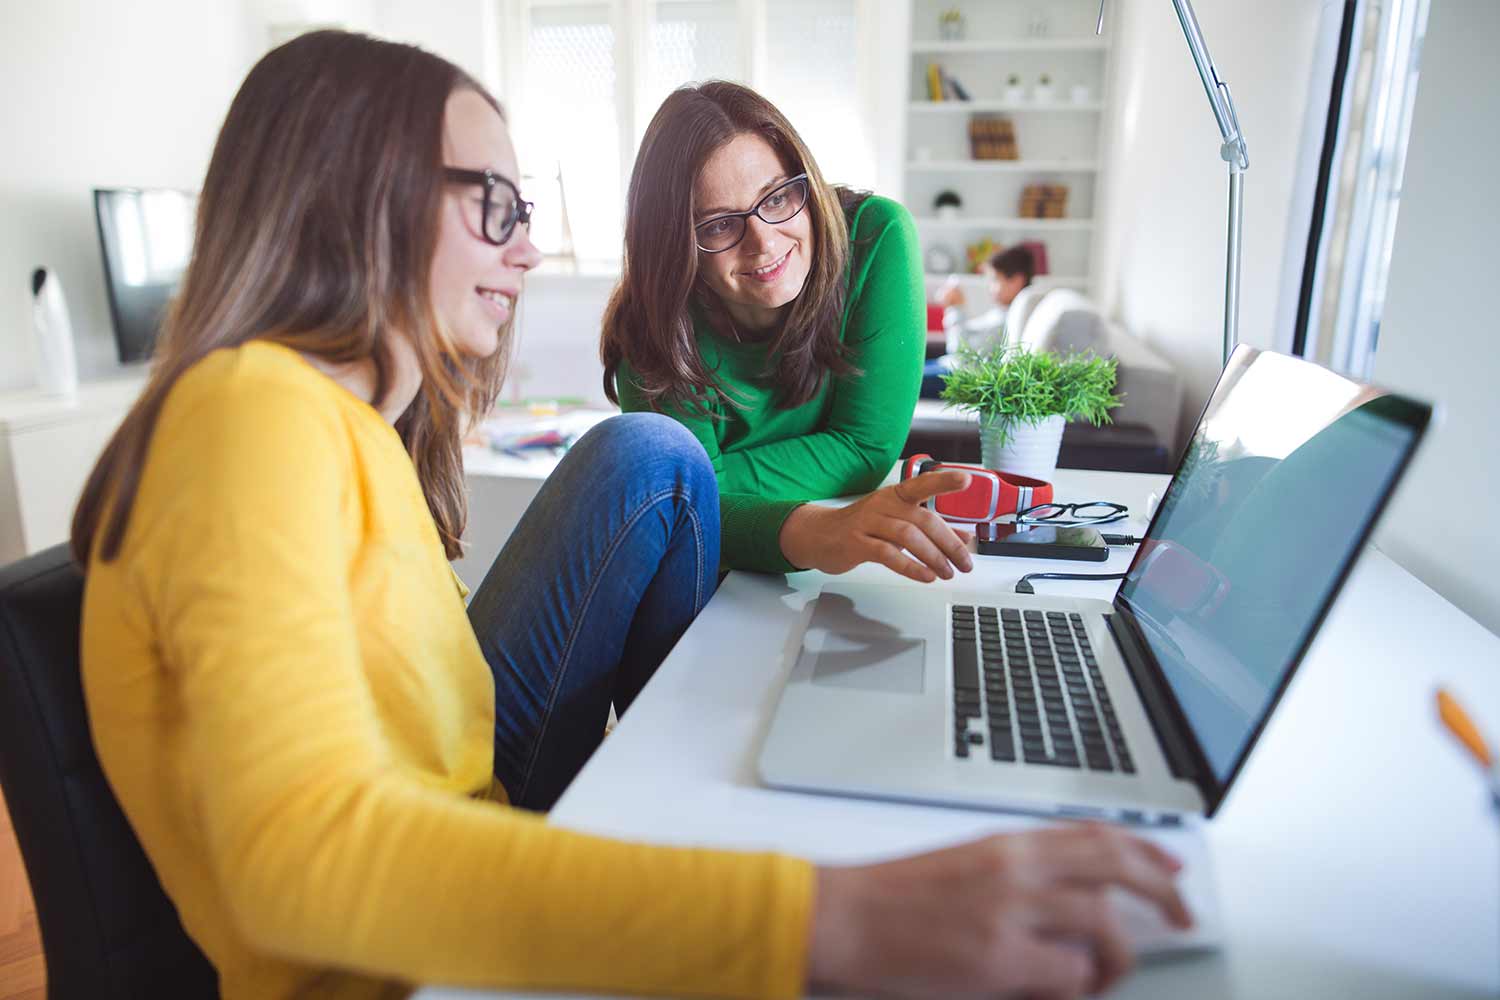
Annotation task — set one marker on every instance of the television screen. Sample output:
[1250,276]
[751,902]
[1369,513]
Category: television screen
[146,237]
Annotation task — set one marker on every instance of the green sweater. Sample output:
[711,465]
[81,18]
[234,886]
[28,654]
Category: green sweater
[844,440]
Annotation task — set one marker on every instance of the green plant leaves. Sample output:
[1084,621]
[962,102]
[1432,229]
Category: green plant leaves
[1014,385]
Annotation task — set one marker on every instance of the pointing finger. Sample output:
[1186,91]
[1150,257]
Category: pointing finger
[918,489]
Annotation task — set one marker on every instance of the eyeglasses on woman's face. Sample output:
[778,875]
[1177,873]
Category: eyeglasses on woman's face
[781,204]
[502,208]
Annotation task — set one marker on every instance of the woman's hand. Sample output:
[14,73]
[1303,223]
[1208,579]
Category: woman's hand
[1022,913]
[878,527]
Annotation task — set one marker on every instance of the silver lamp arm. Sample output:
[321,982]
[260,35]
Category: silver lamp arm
[1232,150]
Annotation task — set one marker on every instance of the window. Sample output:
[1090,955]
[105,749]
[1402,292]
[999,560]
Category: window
[584,78]
[1364,153]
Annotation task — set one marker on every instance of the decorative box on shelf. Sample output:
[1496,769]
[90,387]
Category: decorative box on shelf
[1044,201]
[992,138]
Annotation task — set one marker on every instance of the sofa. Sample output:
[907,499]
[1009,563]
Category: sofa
[1145,425]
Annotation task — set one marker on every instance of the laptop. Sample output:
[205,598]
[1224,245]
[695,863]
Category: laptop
[1142,709]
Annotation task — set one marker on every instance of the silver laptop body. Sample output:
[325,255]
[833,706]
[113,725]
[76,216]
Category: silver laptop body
[928,696]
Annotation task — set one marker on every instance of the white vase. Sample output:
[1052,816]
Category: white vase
[57,367]
[1031,451]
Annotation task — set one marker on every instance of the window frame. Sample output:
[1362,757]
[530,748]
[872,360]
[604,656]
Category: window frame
[1358,194]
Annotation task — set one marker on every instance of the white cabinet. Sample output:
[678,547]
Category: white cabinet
[1039,64]
[47,450]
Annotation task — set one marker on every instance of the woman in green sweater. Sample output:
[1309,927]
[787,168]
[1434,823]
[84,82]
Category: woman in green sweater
[780,320]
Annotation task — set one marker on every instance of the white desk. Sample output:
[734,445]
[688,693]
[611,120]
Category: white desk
[1356,855]
[48,447]
[501,487]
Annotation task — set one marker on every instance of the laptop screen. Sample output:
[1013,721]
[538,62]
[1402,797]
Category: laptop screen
[1276,493]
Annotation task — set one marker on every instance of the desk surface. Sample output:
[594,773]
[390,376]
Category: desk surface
[1356,856]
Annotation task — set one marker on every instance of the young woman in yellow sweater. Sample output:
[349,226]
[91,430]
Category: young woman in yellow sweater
[322,755]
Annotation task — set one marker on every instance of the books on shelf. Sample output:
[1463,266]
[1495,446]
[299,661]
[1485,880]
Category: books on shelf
[934,82]
[978,254]
[942,86]
[954,89]
[1044,201]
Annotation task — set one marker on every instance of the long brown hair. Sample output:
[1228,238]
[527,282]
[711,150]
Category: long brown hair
[647,322]
[316,229]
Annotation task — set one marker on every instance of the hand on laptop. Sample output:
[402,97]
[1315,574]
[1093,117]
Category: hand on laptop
[882,527]
[1020,913]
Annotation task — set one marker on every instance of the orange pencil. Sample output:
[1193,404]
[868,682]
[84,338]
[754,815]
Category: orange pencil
[1463,728]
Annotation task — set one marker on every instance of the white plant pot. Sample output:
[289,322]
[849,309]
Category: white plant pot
[1031,451]
[1014,95]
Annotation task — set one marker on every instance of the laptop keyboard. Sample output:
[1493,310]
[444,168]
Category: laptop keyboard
[1027,687]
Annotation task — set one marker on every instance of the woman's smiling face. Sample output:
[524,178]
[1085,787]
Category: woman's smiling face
[475,284]
[758,278]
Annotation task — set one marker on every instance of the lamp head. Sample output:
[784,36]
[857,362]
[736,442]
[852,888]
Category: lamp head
[1099,28]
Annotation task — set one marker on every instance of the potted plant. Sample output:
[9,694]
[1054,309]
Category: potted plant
[947,204]
[1014,94]
[1023,398]
[951,25]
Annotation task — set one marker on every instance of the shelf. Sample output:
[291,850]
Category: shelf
[969,278]
[1026,107]
[1003,222]
[1084,44]
[1001,166]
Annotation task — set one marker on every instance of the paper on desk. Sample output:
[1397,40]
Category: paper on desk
[514,435]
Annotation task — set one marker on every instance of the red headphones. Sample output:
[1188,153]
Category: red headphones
[990,494]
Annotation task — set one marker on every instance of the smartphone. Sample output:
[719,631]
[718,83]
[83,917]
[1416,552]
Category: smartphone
[1040,541]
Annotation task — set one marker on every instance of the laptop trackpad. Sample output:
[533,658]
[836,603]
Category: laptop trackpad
[875,661]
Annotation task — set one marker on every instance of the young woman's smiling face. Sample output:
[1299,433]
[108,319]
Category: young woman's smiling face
[474,284]
[759,277]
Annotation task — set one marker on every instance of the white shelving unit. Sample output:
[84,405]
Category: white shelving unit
[1004,107]
[1010,44]
[1002,222]
[1058,138]
[1000,166]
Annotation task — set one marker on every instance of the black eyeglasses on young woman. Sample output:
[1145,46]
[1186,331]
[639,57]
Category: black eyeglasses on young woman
[502,210]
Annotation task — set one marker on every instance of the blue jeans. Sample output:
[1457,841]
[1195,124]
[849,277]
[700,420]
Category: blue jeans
[607,568]
[934,378]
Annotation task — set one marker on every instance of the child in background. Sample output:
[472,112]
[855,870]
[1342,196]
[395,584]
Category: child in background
[1008,271]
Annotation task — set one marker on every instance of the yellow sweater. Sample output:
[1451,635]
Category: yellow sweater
[291,706]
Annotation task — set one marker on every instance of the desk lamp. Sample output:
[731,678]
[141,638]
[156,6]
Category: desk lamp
[1233,152]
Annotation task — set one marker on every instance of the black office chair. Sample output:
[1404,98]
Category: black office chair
[108,929]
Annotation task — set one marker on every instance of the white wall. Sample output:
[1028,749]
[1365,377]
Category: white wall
[1164,190]
[884,78]
[457,30]
[106,94]
[1437,336]
[100,95]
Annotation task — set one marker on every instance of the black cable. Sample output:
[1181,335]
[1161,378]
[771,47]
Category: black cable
[1120,539]
[1023,585]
